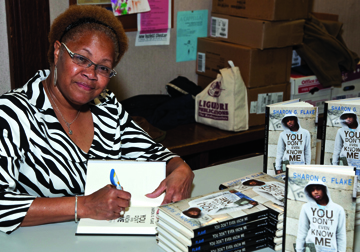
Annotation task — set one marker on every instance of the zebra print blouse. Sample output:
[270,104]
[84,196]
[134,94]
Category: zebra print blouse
[38,159]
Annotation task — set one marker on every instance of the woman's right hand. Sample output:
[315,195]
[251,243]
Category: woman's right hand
[104,204]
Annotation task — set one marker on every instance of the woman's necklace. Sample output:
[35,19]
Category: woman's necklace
[66,122]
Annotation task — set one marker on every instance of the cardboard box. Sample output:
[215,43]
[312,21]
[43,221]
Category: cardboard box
[263,9]
[258,98]
[309,89]
[316,98]
[351,75]
[257,33]
[326,16]
[300,84]
[348,89]
[257,67]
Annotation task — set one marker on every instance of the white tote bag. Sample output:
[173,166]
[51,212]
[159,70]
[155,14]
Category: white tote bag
[223,103]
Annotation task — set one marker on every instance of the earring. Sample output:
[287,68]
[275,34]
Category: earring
[55,76]
[103,93]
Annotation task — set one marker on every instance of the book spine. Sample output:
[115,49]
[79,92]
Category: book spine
[274,225]
[323,134]
[266,138]
[239,221]
[285,204]
[274,214]
[240,246]
[247,230]
[214,244]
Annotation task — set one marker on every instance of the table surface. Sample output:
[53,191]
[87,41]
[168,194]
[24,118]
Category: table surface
[61,236]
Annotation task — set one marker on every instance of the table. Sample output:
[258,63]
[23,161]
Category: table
[61,237]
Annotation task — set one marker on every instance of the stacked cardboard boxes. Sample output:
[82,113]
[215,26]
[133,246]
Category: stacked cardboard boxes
[309,89]
[258,36]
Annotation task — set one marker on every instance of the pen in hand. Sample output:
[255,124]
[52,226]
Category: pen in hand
[115,181]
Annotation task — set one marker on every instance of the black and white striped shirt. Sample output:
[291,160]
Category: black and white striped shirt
[38,159]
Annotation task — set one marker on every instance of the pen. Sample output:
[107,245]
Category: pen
[115,181]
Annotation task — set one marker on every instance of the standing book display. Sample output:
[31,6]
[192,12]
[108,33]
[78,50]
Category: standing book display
[319,208]
[340,143]
[341,133]
[136,177]
[290,135]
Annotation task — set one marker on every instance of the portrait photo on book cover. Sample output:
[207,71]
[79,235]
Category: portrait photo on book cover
[204,209]
[319,214]
[342,138]
[291,139]
[272,190]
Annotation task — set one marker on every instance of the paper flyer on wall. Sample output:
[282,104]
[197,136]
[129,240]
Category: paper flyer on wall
[125,7]
[154,26]
[190,25]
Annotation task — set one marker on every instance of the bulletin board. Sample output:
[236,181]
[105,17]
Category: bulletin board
[129,22]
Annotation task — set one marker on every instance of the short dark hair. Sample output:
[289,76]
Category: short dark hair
[81,18]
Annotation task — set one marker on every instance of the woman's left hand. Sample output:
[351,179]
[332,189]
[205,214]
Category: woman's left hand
[177,184]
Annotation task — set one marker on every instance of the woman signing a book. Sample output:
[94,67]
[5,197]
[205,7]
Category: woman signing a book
[65,116]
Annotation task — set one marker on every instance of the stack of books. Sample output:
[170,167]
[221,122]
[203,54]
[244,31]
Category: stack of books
[244,217]
[270,192]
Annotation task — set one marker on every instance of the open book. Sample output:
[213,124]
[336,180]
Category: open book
[290,135]
[136,177]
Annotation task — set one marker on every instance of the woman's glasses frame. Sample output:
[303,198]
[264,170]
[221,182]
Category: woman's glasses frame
[82,61]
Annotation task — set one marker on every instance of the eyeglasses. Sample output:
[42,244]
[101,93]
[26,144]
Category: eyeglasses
[85,62]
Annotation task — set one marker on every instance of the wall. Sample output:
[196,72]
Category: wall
[4,52]
[348,11]
[146,70]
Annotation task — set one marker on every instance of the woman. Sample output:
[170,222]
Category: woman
[65,116]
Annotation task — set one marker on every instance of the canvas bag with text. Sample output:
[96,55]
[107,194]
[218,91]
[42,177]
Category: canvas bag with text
[223,103]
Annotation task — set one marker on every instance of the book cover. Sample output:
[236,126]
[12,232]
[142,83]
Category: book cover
[340,143]
[319,208]
[263,188]
[341,133]
[212,212]
[136,177]
[290,135]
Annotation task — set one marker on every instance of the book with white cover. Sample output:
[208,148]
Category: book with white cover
[263,188]
[319,208]
[209,213]
[136,177]
[290,135]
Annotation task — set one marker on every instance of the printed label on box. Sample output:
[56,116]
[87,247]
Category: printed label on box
[296,60]
[219,27]
[253,106]
[266,99]
[201,62]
